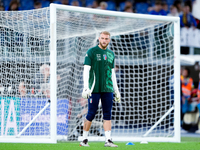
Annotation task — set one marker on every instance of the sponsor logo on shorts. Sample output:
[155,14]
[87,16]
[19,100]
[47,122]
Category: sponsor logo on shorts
[90,100]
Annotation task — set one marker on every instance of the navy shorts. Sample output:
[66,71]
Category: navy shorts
[106,101]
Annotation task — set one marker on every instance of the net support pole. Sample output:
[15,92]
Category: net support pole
[177,125]
[28,125]
[159,121]
[53,74]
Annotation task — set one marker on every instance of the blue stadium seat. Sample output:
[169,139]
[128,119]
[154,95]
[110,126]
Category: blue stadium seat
[142,8]
[122,6]
[6,3]
[57,2]
[111,5]
[169,2]
[45,4]
[27,4]
[89,2]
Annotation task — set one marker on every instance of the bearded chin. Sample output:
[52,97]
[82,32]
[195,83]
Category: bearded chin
[104,47]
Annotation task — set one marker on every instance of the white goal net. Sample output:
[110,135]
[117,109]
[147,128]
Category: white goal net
[145,62]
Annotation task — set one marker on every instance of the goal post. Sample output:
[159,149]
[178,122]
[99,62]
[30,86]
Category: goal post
[53,72]
[177,118]
[42,54]
[116,30]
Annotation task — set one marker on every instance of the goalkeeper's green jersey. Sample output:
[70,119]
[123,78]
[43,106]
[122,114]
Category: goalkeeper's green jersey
[102,63]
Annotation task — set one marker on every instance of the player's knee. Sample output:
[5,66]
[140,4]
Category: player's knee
[90,116]
[107,115]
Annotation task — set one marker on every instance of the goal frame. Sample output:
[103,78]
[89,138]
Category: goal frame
[176,107]
[53,80]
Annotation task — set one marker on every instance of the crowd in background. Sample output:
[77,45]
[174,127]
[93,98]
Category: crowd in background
[177,8]
[187,10]
[190,99]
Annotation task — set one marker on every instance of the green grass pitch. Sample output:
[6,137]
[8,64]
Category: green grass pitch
[187,143]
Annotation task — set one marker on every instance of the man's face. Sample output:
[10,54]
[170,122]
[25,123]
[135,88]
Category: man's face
[14,6]
[22,87]
[174,10]
[185,73]
[158,7]
[104,40]
[187,9]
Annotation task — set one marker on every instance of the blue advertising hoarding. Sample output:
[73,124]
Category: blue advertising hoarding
[9,116]
[16,113]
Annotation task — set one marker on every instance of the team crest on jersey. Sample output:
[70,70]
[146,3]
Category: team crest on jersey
[104,57]
[90,100]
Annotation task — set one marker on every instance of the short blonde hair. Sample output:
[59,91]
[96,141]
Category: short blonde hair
[103,4]
[105,32]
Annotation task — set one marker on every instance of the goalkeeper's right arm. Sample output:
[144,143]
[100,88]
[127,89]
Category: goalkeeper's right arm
[86,91]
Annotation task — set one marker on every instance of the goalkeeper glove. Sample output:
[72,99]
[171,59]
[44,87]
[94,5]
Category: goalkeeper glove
[117,97]
[86,93]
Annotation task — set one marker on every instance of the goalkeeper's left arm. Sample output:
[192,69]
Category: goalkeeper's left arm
[115,87]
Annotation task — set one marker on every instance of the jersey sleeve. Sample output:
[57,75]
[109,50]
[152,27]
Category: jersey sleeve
[88,60]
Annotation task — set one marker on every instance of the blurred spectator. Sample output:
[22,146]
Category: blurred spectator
[45,89]
[42,76]
[14,6]
[173,11]
[2,8]
[165,7]
[197,66]
[128,9]
[150,9]
[187,87]
[75,3]
[45,71]
[22,89]
[95,4]
[198,94]
[158,9]
[37,5]
[188,3]
[65,2]
[42,80]
[178,6]
[103,5]
[128,4]
[199,89]
[186,19]
[196,12]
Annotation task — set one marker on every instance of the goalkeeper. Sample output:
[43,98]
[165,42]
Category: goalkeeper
[99,82]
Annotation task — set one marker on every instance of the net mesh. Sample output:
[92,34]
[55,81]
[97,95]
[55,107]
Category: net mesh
[25,76]
[144,67]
